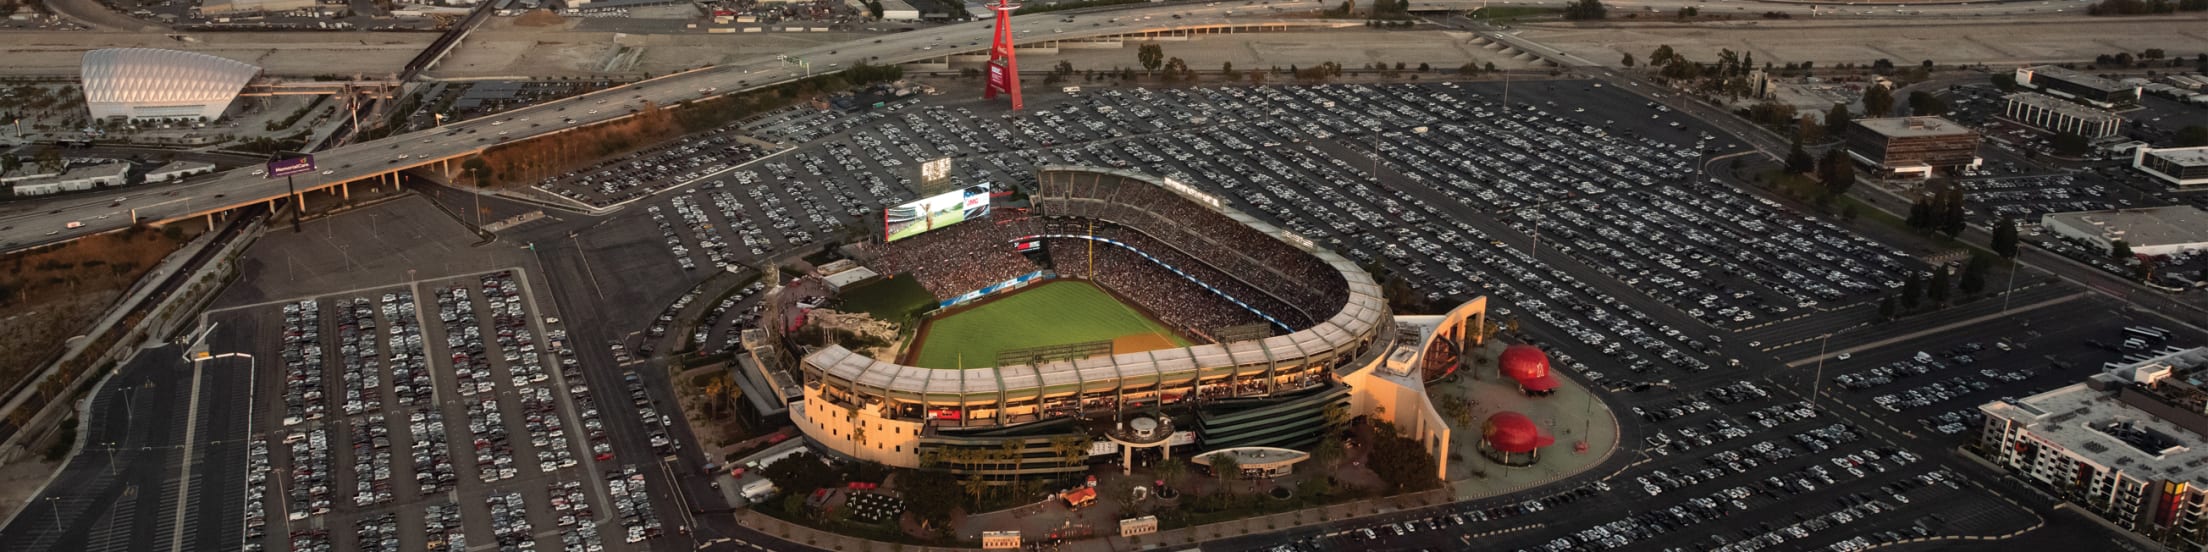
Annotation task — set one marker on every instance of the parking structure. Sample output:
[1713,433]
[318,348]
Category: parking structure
[452,422]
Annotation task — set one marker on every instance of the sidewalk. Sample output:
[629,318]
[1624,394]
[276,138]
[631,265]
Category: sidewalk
[1164,539]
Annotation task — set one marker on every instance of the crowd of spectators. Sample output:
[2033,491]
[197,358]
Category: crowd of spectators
[960,258]
[1187,307]
[1291,274]
[1157,228]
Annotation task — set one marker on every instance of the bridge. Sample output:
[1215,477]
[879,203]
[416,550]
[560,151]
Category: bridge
[381,161]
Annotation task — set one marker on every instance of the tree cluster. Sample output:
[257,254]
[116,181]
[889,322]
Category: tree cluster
[1151,56]
[1877,101]
[2005,238]
[1401,462]
[1939,212]
[1586,10]
[2144,7]
[1316,73]
[1836,171]
[1922,103]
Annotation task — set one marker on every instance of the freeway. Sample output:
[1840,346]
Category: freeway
[381,158]
[1848,9]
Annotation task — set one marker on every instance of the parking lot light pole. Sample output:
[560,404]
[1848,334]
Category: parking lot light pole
[1817,383]
[2010,292]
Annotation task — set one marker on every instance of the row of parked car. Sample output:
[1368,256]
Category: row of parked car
[433,471]
[654,423]
[302,354]
[371,461]
[256,493]
[643,173]
[310,473]
[410,379]
[377,533]
[578,532]
[441,528]
[510,523]
[361,382]
[632,503]
[713,317]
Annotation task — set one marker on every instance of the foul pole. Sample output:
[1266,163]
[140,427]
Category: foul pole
[1003,71]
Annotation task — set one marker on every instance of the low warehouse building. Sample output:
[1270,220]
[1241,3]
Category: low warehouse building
[2179,166]
[2164,230]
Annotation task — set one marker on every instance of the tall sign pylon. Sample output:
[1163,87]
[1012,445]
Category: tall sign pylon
[1004,69]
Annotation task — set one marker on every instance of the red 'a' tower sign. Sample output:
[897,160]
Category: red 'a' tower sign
[1004,70]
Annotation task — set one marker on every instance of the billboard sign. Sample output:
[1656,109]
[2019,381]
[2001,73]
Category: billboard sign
[929,213]
[286,167]
[1014,283]
[998,79]
[935,176]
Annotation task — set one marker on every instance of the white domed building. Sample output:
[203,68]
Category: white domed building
[149,83]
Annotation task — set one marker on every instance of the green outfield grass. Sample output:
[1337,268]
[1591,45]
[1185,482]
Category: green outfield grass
[1054,313]
[893,299]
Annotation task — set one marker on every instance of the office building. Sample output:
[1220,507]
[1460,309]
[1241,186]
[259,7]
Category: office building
[1912,146]
[2046,113]
[2077,87]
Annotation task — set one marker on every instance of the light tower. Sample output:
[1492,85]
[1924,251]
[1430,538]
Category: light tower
[1004,69]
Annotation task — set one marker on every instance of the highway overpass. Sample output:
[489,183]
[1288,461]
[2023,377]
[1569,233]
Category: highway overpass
[379,161]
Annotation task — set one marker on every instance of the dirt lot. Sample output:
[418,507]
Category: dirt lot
[53,294]
[1944,41]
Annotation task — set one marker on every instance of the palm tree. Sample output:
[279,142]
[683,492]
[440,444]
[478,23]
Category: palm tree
[931,458]
[1013,450]
[1228,469]
[1336,414]
[1071,449]
[975,487]
[1330,452]
[1172,470]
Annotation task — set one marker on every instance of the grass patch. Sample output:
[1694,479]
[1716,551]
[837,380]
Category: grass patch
[1053,313]
[896,299]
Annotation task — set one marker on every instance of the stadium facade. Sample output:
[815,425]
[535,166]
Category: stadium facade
[1341,355]
[150,83]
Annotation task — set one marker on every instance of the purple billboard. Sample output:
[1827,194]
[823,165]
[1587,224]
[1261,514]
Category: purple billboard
[287,167]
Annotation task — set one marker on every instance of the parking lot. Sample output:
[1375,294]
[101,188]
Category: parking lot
[432,415]
[1452,151]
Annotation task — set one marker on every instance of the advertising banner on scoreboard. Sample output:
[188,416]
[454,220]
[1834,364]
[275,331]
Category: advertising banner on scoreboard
[1014,283]
[929,213]
[286,167]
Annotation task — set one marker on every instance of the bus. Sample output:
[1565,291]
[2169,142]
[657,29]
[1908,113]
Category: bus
[2148,333]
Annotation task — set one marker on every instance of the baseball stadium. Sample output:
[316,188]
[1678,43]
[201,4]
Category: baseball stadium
[1130,316]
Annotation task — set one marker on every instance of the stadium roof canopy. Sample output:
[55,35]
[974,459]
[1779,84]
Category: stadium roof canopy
[149,83]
